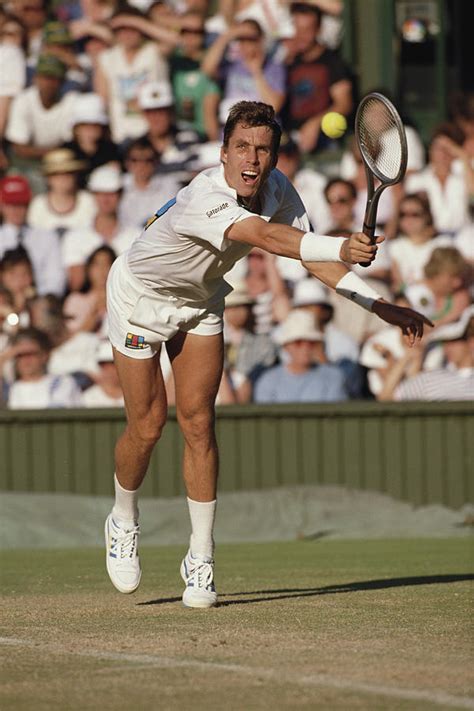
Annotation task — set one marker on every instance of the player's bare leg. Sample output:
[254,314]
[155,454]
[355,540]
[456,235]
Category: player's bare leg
[145,404]
[197,367]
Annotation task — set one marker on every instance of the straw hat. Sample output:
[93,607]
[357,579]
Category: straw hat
[61,160]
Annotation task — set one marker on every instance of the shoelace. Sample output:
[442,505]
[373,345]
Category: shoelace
[125,542]
[202,575]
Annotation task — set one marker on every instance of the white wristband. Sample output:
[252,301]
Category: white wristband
[321,248]
[354,288]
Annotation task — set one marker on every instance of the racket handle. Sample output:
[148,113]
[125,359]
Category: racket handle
[368,230]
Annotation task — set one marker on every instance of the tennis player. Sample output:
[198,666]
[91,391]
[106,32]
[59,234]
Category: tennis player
[169,288]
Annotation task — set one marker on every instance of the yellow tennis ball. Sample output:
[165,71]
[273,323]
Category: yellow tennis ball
[334,125]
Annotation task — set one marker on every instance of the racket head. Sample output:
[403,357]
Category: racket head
[381,138]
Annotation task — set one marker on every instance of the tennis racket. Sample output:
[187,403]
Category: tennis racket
[382,143]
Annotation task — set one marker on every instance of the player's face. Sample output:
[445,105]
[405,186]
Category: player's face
[248,159]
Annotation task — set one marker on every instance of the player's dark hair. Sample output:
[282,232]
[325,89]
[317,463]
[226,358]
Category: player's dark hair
[251,114]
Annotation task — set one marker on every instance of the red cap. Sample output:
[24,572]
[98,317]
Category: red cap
[15,190]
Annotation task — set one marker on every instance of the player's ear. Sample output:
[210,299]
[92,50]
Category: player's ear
[223,154]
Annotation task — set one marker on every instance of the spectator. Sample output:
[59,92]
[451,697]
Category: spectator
[442,295]
[91,142]
[106,392]
[267,289]
[33,386]
[93,39]
[411,250]
[41,245]
[196,96]
[341,199]
[299,379]
[121,71]
[453,382]
[246,352]
[12,75]
[144,192]
[85,310]
[39,119]
[106,185]
[16,275]
[58,42]
[64,206]
[32,14]
[446,180]
[318,81]
[246,71]
[464,241]
[156,103]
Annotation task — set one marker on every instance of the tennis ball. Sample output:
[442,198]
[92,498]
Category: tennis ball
[334,125]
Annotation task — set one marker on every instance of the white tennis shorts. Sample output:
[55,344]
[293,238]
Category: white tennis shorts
[140,319]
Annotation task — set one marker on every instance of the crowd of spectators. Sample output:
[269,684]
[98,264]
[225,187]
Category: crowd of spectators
[107,109]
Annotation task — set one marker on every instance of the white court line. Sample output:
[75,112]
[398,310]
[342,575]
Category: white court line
[434,697]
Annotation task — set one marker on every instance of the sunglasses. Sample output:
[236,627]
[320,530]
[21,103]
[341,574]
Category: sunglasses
[411,213]
[190,31]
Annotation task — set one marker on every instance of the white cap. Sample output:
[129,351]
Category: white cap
[388,339]
[205,155]
[298,325]
[310,291]
[89,108]
[104,353]
[456,329]
[155,95]
[239,297]
[105,179]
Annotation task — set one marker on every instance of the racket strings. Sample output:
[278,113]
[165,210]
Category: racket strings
[380,140]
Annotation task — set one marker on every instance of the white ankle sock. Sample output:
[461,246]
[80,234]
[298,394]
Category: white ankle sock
[126,503]
[202,515]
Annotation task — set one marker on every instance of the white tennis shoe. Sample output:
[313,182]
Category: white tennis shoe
[123,563]
[198,574]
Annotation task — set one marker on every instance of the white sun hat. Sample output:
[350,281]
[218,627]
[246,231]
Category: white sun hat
[155,95]
[310,291]
[298,325]
[105,179]
[90,108]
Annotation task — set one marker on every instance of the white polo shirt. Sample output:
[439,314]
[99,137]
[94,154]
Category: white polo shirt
[184,254]
[30,123]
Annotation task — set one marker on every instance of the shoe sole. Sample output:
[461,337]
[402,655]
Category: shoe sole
[125,591]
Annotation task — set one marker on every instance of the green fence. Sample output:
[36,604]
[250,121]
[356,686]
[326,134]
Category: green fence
[417,452]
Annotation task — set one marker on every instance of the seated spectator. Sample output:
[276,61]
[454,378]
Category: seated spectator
[72,353]
[238,60]
[144,192]
[90,142]
[33,386]
[246,351]
[33,15]
[58,42]
[16,275]
[64,205]
[93,39]
[299,379]
[171,146]
[41,245]
[121,70]
[86,310]
[416,240]
[267,289]
[318,80]
[442,295]
[455,381]
[196,96]
[106,185]
[13,73]
[39,118]
[445,180]
[106,392]
[341,199]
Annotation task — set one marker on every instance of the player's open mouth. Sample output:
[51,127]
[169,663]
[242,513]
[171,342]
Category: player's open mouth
[249,177]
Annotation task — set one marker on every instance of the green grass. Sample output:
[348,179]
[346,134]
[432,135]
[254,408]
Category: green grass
[305,625]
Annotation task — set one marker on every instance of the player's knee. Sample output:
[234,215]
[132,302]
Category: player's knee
[197,427]
[147,431]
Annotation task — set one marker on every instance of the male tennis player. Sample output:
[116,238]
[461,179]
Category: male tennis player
[169,288]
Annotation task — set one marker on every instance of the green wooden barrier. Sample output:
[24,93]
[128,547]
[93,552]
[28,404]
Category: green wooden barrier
[418,452]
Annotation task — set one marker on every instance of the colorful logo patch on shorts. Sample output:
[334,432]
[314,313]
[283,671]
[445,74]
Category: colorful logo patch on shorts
[134,341]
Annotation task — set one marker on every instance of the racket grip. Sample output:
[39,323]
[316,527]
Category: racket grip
[368,230]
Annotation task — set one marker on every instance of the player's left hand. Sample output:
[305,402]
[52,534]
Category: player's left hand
[359,249]
[411,322]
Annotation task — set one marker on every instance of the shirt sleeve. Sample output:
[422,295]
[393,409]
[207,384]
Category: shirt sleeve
[207,215]
[292,210]
[18,126]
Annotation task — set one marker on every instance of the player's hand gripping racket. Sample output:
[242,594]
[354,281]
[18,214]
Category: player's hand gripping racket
[383,146]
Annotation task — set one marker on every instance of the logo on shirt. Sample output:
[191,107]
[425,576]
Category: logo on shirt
[134,341]
[215,210]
